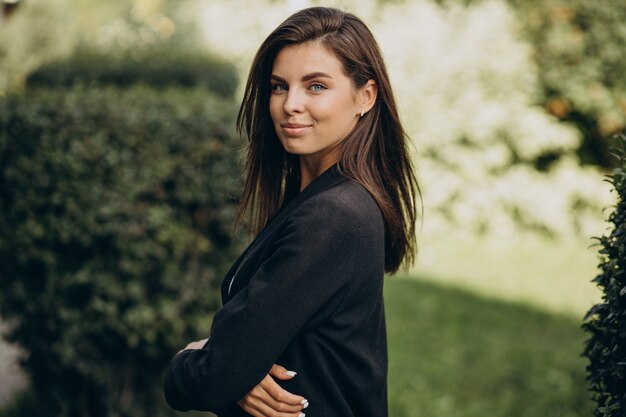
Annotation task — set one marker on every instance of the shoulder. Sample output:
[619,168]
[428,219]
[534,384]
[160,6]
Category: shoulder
[347,205]
[356,199]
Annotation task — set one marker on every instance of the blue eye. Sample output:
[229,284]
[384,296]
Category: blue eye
[318,87]
[279,87]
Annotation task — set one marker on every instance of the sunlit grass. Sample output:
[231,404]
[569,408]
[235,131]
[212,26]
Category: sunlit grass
[552,275]
[455,354]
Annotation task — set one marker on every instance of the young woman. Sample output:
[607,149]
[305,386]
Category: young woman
[330,193]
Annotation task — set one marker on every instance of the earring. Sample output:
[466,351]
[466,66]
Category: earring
[362,112]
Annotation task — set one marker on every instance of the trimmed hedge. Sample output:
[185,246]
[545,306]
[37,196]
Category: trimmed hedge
[157,68]
[116,211]
[606,321]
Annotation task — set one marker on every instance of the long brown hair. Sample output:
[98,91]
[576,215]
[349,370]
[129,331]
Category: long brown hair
[374,154]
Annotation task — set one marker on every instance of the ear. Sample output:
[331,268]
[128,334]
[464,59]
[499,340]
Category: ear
[366,96]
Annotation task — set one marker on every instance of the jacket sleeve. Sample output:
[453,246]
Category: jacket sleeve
[314,259]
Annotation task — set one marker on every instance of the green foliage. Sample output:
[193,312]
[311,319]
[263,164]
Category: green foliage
[455,354]
[23,404]
[116,208]
[491,160]
[160,67]
[579,48]
[606,321]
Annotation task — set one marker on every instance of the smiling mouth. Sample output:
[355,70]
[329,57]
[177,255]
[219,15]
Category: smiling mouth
[294,129]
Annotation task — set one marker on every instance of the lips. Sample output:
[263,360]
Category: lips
[294,129]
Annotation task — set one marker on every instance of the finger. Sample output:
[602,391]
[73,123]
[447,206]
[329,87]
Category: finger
[260,409]
[245,405]
[278,402]
[249,405]
[260,393]
[280,372]
[198,344]
[279,394]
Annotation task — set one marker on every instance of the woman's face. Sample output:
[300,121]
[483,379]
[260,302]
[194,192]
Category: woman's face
[313,104]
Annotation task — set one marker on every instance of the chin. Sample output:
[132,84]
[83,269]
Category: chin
[298,152]
[294,150]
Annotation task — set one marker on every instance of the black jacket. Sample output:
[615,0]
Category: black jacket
[306,294]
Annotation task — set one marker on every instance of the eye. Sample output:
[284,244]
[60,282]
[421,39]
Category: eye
[317,87]
[279,87]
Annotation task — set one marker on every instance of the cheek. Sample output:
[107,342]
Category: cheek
[346,100]
[329,108]
[275,108]
[338,111]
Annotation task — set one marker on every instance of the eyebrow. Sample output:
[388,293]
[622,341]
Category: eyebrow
[307,77]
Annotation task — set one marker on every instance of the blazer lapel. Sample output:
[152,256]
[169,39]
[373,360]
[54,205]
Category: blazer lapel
[233,281]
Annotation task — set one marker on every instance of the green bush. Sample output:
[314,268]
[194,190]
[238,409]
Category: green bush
[158,68]
[606,321]
[116,209]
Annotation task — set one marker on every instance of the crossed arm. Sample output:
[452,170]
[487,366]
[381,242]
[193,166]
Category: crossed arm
[268,399]
[310,266]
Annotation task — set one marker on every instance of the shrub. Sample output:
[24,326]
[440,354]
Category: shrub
[158,68]
[606,321]
[116,210]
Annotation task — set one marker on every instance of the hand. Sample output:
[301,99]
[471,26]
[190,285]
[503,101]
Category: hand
[195,345]
[268,399]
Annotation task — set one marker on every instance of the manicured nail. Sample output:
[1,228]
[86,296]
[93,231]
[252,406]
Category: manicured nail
[306,404]
[301,415]
[291,373]
[304,401]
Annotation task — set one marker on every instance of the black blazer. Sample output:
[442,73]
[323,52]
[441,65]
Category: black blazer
[306,294]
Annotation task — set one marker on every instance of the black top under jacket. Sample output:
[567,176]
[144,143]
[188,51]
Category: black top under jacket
[307,294]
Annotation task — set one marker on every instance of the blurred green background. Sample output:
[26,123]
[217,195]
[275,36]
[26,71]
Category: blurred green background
[510,106]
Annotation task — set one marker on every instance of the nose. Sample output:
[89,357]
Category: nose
[294,101]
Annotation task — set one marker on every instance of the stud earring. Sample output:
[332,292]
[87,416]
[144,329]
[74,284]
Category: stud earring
[362,112]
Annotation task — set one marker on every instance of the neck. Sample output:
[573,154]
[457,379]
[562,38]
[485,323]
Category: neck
[312,167]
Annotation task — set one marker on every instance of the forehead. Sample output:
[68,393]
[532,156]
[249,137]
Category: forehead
[306,58]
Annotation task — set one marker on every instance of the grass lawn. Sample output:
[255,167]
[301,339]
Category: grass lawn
[553,275]
[456,354]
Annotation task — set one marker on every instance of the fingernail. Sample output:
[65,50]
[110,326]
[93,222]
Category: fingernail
[291,373]
[306,404]
[304,401]
[301,415]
